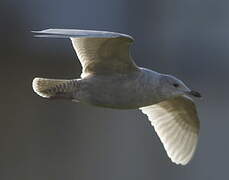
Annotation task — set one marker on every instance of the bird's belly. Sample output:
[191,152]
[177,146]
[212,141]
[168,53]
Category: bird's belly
[114,99]
[124,93]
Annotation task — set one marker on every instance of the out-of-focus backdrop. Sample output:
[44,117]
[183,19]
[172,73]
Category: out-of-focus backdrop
[41,139]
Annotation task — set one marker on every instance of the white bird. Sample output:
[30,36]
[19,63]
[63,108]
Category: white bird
[110,78]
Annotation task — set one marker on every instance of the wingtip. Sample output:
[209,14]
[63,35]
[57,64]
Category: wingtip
[41,31]
[34,31]
[46,34]
[38,35]
[37,32]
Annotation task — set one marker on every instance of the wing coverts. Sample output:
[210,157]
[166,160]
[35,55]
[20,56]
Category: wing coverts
[177,125]
[99,52]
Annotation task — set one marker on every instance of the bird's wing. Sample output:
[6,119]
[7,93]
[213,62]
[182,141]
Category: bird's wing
[99,52]
[177,125]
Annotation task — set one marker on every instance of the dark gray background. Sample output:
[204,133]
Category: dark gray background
[56,140]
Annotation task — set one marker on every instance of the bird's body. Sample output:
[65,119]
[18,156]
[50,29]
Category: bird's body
[120,91]
[110,78]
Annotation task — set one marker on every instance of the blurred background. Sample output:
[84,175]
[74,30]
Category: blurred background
[56,140]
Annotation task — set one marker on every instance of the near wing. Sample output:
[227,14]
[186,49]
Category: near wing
[177,125]
[99,52]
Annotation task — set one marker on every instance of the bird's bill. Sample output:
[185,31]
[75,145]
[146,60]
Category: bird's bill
[194,93]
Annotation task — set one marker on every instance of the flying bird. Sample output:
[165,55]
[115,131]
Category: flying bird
[110,78]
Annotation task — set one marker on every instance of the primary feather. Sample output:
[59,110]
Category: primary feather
[74,33]
[99,52]
[177,125]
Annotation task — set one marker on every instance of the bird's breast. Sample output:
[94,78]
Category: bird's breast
[118,91]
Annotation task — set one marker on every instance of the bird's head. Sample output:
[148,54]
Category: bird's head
[172,87]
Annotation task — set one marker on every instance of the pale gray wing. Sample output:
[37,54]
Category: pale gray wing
[99,52]
[177,125]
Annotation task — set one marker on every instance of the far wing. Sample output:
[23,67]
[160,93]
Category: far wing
[177,125]
[99,52]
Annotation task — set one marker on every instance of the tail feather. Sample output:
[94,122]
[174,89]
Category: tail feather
[51,88]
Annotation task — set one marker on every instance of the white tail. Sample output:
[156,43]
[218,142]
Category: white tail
[49,88]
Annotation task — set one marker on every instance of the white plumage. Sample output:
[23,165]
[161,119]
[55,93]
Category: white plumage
[177,125]
[110,78]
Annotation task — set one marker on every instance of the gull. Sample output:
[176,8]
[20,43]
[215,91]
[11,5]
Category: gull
[110,78]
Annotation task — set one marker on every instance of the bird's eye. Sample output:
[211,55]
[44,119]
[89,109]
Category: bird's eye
[176,85]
